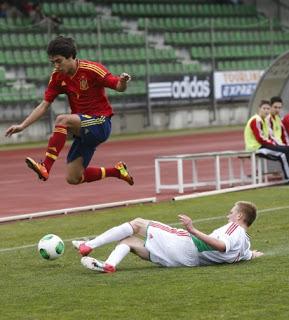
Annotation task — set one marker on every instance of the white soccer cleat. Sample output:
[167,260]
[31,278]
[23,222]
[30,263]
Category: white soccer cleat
[82,248]
[97,265]
[76,243]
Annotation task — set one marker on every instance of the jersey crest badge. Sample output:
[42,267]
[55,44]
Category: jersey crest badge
[83,83]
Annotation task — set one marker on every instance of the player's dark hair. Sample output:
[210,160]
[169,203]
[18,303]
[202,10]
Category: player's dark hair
[264,102]
[249,210]
[276,99]
[62,46]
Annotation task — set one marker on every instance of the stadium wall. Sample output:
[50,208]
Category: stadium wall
[180,117]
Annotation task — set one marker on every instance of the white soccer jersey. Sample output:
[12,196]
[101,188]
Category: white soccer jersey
[237,243]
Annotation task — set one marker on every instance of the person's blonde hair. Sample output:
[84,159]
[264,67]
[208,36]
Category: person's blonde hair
[249,210]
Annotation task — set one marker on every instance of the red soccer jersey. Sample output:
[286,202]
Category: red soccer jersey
[257,126]
[85,89]
[285,122]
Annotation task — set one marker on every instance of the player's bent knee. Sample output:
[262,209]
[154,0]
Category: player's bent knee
[135,223]
[73,180]
[138,224]
[61,119]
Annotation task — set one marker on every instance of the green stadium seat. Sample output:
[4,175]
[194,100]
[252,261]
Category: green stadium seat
[9,58]
[2,58]
[6,40]
[2,75]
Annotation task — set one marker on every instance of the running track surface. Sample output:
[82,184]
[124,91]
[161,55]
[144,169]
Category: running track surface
[21,192]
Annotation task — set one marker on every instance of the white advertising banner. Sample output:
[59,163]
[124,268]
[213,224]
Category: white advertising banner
[181,87]
[236,84]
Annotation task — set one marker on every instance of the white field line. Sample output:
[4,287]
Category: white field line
[35,244]
[264,211]
[278,251]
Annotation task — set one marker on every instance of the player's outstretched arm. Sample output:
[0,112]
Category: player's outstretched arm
[124,78]
[214,243]
[33,116]
[256,254]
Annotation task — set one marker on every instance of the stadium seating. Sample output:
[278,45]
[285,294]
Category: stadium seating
[237,32]
[238,52]
[239,40]
[181,9]
[174,24]
[2,75]
[245,64]
[11,94]
[155,69]
[110,55]
[232,38]
[84,24]
[67,9]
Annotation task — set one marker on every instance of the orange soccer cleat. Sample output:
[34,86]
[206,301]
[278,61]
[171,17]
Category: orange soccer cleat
[124,174]
[37,167]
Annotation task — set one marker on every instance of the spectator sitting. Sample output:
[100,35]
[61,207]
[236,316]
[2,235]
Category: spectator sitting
[8,10]
[37,16]
[257,138]
[23,7]
[3,9]
[277,130]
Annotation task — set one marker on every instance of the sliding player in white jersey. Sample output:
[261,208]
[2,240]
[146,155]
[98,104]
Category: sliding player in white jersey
[172,247]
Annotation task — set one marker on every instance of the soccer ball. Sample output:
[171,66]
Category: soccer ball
[51,247]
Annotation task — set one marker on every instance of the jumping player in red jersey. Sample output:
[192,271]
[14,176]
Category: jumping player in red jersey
[83,82]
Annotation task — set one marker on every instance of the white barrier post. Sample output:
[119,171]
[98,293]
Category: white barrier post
[157,175]
[180,176]
[217,172]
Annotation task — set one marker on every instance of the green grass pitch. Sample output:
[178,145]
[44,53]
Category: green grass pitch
[32,288]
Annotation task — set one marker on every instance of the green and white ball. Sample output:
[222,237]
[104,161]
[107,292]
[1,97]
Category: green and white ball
[51,247]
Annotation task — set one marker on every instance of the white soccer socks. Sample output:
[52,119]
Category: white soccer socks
[119,252]
[114,234]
